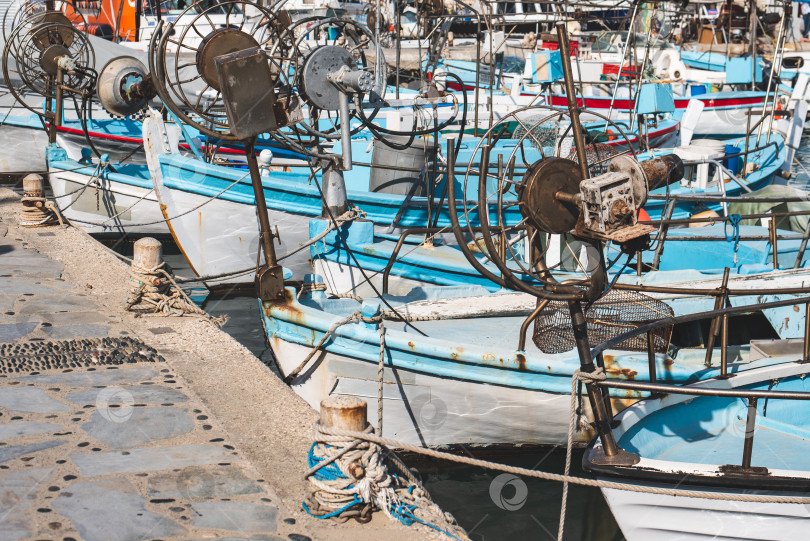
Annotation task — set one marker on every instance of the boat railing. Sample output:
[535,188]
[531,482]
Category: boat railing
[656,388]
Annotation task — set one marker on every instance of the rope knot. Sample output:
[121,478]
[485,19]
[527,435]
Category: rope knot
[591,377]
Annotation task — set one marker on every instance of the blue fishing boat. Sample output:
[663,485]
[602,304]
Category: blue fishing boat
[728,463]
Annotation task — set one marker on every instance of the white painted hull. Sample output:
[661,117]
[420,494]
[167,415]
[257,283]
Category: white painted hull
[341,279]
[223,236]
[121,208]
[428,410]
[654,517]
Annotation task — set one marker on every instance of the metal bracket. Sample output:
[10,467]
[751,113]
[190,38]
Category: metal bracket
[622,458]
[270,283]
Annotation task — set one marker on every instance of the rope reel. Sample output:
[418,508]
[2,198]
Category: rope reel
[47,56]
[186,72]
[33,12]
[553,198]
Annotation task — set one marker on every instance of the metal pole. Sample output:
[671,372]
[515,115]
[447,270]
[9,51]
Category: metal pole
[57,107]
[774,246]
[651,356]
[802,246]
[265,236]
[345,130]
[806,348]
[524,328]
[752,13]
[399,41]
[724,347]
[718,301]
[662,237]
[595,395]
[573,107]
[750,426]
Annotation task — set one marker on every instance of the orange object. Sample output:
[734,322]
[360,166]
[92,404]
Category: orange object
[120,15]
[643,216]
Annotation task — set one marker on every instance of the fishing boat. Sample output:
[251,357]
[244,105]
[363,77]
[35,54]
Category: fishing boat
[104,197]
[728,444]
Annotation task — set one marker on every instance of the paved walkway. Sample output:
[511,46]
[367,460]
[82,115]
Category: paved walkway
[114,427]
[95,446]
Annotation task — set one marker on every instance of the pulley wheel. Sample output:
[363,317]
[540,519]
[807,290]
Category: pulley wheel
[318,65]
[51,27]
[49,59]
[219,42]
[537,194]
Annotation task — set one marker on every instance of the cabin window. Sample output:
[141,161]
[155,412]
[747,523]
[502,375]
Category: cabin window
[793,62]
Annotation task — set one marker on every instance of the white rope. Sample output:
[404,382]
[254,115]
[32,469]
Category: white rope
[154,291]
[348,473]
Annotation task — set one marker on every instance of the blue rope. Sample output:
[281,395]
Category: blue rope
[734,220]
[330,472]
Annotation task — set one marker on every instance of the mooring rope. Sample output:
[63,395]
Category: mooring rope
[351,477]
[153,291]
[38,212]
[564,478]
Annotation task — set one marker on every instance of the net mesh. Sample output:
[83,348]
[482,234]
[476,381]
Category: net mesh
[598,157]
[615,313]
[537,131]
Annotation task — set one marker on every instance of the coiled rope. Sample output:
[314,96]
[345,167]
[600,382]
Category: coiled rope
[352,477]
[154,292]
[38,212]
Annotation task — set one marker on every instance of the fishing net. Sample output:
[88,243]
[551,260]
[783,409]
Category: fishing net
[598,157]
[537,131]
[614,314]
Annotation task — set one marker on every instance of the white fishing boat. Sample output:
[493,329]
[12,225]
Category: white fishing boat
[736,450]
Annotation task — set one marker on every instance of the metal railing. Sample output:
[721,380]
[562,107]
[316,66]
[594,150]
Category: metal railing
[662,389]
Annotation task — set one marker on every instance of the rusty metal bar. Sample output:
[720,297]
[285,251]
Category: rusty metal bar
[596,396]
[724,347]
[800,256]
[720,293]
[638,263]
[573,107]
[806,348]
[663,235]
[668,388]
[773,242]
[712,292]
[716,219]
[651,356]
[524,328]
[750,425]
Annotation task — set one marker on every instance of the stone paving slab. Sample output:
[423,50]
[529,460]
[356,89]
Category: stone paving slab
[110,452]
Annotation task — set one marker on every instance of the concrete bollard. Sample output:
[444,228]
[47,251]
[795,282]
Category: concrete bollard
[147,254]
[33,185]
[344,413]
[35,211]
